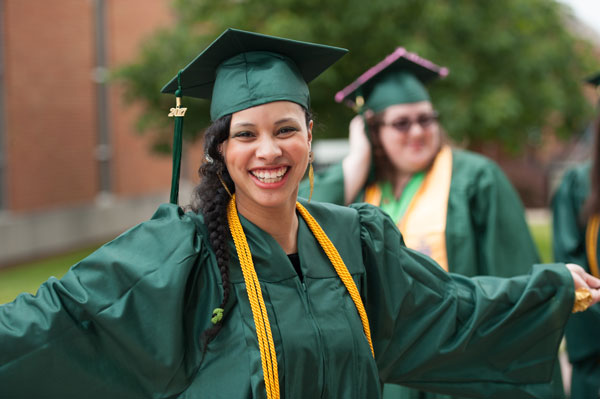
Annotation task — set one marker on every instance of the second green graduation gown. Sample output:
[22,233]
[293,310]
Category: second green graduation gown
[126,321]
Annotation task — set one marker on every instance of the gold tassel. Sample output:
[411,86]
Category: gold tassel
[224,185]
[311,176]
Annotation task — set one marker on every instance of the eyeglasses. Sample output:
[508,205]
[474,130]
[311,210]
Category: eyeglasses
[403,125]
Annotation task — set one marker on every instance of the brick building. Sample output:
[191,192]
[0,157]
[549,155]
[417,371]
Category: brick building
[72,168]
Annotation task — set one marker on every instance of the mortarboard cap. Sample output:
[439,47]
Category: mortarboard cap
[243,69]
[593,79]
[398,79]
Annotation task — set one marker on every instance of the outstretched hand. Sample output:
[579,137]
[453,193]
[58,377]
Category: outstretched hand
[582,279]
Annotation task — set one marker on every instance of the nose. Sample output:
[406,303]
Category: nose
[415,130]
[268,149]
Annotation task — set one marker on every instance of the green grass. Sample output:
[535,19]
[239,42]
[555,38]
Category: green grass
[542,235]
[27,277]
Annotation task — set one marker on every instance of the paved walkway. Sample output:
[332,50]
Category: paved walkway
[538,215]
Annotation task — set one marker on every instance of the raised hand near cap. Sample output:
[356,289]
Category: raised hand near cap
[359,143]
[358,161]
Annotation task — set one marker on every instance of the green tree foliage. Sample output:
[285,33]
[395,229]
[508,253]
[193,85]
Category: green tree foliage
[514,67]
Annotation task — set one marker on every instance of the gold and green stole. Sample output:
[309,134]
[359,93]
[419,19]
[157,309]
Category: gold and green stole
[420,212]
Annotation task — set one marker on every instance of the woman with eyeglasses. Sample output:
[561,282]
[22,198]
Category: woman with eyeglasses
[453,205]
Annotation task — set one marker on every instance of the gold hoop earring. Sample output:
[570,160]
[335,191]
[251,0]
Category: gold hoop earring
[311,175]
[224,185]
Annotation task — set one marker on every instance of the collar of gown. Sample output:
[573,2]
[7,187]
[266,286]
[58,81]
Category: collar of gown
[271,262]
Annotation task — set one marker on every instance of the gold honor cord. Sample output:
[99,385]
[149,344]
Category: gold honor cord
[257,303]
[591,243]
[259,311]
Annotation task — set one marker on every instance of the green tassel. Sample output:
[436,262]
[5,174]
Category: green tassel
[177,148]
[177,144]
[217,315]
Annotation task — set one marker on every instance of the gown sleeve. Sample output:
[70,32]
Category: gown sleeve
[480,337]
[112,327]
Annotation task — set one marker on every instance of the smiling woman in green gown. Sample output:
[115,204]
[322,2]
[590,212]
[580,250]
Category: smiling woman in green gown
[576,220]
[251,294]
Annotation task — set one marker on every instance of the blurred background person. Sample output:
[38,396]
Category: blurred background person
[576,220]
[453,205]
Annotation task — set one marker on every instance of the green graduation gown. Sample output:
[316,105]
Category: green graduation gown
[569,246]
[126,321]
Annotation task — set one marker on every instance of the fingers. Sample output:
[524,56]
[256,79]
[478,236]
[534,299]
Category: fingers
[358,137]
[591,281]
[577,275]
[578,280]
[595,296]
[357,124]
[582,279]
[576,268]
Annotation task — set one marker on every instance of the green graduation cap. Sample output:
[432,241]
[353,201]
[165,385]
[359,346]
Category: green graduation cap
[398,79]
[243,69]
[594,79]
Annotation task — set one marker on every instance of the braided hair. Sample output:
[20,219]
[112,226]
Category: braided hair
[211,199]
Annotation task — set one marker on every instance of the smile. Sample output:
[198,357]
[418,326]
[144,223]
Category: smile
[270,175]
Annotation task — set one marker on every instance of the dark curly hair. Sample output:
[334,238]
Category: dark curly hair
[211,199]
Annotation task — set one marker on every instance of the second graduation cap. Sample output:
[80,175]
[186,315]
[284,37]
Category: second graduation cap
[398,79]
[594,79]
[243,69]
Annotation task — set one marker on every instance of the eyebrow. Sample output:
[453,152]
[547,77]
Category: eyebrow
[243,124]
[285,120]
[250,124]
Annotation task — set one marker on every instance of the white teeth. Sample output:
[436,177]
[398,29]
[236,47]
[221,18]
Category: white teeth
[271,175]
